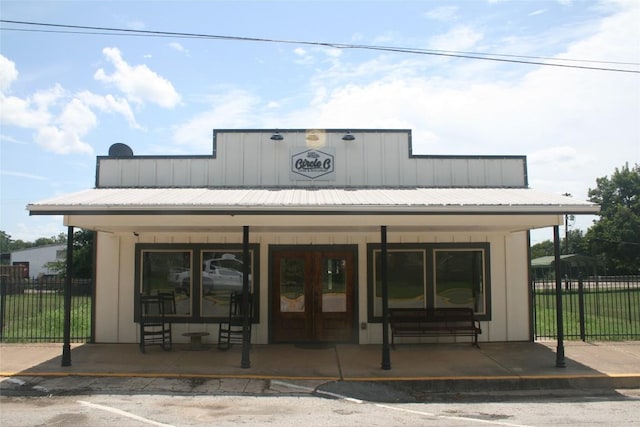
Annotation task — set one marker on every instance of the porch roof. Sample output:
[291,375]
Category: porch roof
[339,201]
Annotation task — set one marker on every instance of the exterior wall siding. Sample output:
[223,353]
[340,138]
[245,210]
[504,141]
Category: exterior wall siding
[116,280]
[373,159]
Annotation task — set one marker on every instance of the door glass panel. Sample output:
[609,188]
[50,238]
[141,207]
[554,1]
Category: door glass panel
[334,285]
[292,276]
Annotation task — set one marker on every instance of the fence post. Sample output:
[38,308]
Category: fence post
[3,303]
[629,298]
[560,362]
[581,309]
[66,346]
[534,314]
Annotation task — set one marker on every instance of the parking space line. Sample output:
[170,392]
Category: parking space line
[123,413]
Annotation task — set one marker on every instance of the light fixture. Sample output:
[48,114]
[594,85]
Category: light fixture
[348,136]
[276,136]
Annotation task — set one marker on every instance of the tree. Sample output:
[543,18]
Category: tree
[615,237]
[575,243]
[82,256]
[544,248]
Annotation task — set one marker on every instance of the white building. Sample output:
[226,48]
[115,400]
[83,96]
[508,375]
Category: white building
[314,207]
[35,260]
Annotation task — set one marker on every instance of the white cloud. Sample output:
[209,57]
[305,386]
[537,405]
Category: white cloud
[538,12]
[46,99]
[59,134]
[459,38]
[61,141]
[573,125]
[38,227]
[11,139]
[442,13]
[76,117]
[233,109]
[139,83]
[178,47]
[8,73]
[19,112]
[110,104]
[24,175]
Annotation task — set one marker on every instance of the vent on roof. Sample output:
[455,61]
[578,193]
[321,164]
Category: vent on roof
[120,150]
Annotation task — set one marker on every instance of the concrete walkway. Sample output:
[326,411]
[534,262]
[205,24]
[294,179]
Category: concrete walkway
[511,365]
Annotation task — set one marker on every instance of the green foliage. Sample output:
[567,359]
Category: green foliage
[82,256]
[542,249]
[8,245]
[607,313]
[40,317]
[82,251]
[615,237]
[574,243]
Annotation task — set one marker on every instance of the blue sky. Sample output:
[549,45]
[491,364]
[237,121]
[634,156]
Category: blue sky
[65,98]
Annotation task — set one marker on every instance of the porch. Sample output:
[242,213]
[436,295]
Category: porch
[516,365]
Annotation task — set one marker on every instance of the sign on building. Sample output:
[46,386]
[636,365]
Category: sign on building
[311,164]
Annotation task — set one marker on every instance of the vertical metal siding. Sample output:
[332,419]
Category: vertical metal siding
[373,159]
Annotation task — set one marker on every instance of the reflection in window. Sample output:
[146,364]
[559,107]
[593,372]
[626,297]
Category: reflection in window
[292,285]
[222,274]
[168,272]
[459,279]
[334,285]
[406,279]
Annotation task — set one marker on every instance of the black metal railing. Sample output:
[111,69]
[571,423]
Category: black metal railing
[596,308]
[32,310]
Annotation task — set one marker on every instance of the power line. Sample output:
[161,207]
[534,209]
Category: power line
[529,60]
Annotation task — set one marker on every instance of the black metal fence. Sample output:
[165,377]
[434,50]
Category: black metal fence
[32,310]
[597,308]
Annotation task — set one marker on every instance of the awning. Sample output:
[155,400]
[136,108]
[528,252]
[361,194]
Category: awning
[326,201]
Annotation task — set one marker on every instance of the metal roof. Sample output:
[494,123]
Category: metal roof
[301,200]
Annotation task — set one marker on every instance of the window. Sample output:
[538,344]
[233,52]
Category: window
[431,275]
[201,277]
[222,274]
[168,271]
[406,274]
[459,279]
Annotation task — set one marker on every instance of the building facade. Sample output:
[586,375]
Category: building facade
[36,261]
[303,214]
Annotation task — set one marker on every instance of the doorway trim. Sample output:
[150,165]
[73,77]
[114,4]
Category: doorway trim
[352,248]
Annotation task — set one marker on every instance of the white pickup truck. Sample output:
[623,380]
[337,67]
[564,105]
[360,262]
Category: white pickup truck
[218,274]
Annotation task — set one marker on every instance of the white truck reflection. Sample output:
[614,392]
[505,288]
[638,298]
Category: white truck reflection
[218,274]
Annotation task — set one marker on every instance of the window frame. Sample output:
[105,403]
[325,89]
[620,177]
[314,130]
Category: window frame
[197,251]
[430,250]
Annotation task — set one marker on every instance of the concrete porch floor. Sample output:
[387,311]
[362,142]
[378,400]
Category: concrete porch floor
[614,364]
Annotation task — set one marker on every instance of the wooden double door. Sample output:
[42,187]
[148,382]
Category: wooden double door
[313,296]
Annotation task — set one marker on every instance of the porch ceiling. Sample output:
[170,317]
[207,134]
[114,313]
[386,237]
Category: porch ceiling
[310,223]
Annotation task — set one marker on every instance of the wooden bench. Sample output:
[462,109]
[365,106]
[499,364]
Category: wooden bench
[433,322]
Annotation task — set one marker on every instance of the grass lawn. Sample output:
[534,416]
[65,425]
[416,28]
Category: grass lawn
[39,317]
[608,315]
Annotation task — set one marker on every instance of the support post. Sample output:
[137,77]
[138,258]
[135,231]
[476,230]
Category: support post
[66,346]
[560,363]
[386,356]
[246,265]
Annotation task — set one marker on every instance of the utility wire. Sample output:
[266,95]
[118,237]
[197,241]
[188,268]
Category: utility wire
[529,60]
